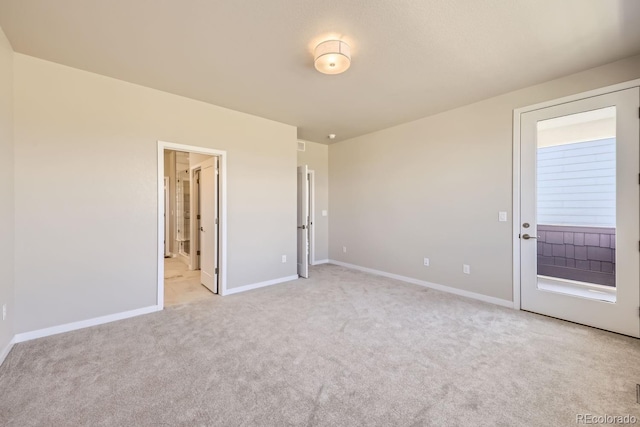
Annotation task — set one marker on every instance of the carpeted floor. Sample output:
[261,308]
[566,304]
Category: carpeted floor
[343,348]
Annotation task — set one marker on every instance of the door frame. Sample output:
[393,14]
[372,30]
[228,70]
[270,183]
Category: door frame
[515,216]
[222,210]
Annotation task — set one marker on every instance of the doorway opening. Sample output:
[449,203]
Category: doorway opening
[306,219]
[312,229]
[191,223]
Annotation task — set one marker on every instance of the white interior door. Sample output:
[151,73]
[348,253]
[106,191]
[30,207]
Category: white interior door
[209,224]
[303,221]
[194,232]
[311,232]
[580,211]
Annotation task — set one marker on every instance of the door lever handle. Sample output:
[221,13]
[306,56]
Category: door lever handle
[303,227]
[527,237]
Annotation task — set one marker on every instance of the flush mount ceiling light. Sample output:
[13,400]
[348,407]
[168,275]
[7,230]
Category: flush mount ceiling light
[332,57]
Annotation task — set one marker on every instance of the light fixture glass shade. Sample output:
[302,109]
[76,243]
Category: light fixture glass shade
[332,57]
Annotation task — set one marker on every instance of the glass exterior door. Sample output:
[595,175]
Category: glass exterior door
[580,214]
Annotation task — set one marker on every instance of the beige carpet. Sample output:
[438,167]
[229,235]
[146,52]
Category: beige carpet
[343,348]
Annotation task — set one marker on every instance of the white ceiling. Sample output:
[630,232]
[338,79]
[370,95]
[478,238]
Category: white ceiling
[411,58]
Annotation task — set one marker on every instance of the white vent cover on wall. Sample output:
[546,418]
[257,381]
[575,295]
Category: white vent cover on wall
[301,145]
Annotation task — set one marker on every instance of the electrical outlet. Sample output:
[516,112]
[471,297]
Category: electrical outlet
[344,249]
[426,262]
[502,216]
[284,258]
[466,269]
[4,311]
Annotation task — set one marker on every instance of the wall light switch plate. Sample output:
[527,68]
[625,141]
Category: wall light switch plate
[284,258]
[466,269]
[426,262]
[502,216]
[324,213]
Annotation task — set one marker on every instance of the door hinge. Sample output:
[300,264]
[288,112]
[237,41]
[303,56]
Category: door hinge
[197,252]
[198,216]
[216,270]
[216,221]
[197,181]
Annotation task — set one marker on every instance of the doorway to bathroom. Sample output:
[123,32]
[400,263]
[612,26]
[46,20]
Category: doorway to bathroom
[191,224]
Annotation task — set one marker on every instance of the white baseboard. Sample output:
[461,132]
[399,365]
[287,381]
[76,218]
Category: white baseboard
[321,261]
[67,327]
[5,351]
[443,288]
[260,285]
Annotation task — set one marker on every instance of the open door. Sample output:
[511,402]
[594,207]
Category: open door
[167,233]
[195,219]
[303,221]
[209,224]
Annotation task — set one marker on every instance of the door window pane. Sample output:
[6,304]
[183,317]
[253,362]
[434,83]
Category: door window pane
[576,200]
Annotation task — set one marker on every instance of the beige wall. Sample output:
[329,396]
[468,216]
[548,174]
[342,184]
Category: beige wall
[195,159]
[86,177]
[316,156]
[6,192]
[434,187]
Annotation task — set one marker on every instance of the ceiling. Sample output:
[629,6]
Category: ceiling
[410,58]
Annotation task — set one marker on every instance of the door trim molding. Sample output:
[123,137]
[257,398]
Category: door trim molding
[517,116]
[222,243]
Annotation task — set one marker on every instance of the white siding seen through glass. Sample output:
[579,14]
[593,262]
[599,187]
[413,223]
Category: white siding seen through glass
[577,184]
